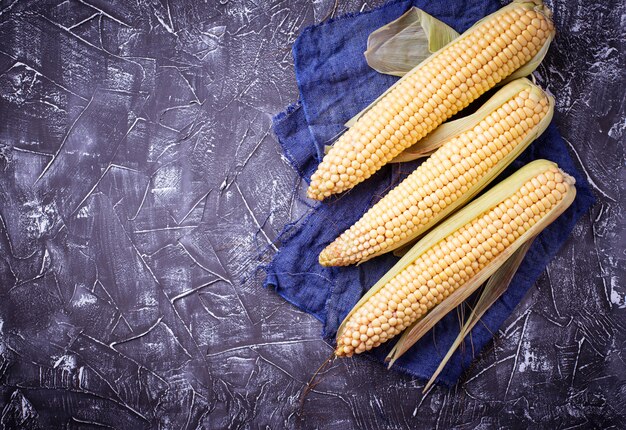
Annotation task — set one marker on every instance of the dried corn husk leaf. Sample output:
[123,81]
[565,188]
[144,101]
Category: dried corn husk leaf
[395,48]
[498,193]
[495,287]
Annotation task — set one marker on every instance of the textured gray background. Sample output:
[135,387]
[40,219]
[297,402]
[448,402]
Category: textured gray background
[139,180]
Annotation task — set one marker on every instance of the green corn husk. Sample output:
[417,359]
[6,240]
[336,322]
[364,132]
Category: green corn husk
[494,288]
[395,48]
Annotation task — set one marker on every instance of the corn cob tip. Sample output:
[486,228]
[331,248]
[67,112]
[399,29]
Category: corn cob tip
[313,193]
[339,352]
[335,255]
[325,258]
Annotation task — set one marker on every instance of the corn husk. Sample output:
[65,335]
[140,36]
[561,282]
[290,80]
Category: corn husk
[499,193]
[395,48]
[494,288]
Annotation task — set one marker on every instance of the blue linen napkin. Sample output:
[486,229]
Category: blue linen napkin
[335,83]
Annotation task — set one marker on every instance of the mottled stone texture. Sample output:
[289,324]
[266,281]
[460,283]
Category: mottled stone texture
[141,185]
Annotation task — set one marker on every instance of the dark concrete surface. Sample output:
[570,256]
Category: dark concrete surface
[140,180]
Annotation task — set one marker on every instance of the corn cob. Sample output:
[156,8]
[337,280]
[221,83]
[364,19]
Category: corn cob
[469,245]
[457,171]
[432,92]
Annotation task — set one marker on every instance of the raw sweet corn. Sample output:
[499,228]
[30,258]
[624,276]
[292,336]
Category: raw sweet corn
[469,244]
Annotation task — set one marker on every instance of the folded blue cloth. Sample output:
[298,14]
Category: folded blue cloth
[335,83]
